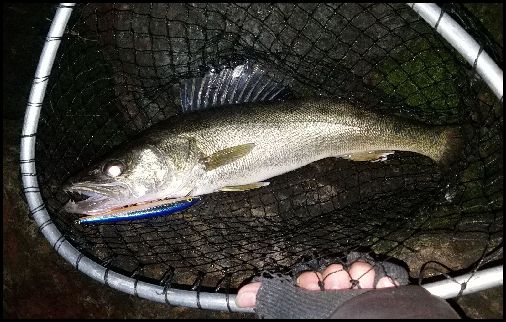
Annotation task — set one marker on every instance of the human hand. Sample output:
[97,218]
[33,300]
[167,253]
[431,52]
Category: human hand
[334,277]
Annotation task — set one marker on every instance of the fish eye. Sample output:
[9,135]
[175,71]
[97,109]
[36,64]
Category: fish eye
[114,168]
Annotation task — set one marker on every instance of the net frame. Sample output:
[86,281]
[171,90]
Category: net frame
[474,54]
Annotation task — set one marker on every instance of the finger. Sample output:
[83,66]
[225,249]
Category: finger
[364,273]
[336,278]
[310,280]
[386,281]
[247,295]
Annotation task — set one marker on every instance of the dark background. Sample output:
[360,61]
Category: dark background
[37,282]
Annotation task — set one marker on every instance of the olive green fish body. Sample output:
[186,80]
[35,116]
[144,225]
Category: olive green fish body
[235,133]
[289,135]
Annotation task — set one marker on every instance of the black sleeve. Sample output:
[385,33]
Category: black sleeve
[405,302]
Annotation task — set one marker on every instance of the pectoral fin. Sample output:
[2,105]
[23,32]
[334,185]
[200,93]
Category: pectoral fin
[374,156]
[226,156]
[245,187]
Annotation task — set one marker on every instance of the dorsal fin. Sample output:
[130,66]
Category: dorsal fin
[242,84]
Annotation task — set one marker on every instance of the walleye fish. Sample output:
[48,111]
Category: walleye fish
[234,136]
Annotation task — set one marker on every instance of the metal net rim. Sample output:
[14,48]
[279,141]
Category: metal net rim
[431,13]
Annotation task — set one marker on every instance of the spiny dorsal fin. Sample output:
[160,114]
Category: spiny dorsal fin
[244,83]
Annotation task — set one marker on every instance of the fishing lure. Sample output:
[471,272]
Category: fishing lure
[135,214]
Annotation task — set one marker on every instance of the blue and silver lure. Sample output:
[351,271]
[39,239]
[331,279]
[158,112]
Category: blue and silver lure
[136,214]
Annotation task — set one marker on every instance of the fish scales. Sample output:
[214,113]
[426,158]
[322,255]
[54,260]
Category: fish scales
[289,135]
[235,148]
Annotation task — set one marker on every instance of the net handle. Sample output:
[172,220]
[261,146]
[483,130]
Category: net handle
[467,283]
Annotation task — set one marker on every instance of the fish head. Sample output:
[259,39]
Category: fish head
[141,173]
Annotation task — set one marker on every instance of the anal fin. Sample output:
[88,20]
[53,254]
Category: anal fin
[373,156]
[245,187]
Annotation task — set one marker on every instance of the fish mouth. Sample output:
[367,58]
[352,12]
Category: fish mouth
[86,201]
[91,202]
[76,196]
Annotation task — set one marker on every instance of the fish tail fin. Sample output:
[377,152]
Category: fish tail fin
[453,142]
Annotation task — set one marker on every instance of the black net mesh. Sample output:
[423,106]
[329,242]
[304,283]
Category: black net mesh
[118,71]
